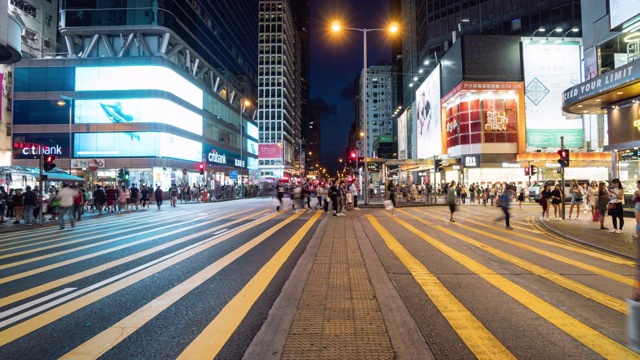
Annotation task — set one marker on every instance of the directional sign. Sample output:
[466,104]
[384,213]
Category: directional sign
[233,174]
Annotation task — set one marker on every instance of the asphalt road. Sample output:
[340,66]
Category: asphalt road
[198,281]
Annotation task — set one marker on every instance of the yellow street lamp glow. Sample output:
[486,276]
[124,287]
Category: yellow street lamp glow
[247,103]
[394,27]
[61,102]
[335,26]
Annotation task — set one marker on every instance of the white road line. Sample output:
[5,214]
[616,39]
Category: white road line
[219,231]
[34,302]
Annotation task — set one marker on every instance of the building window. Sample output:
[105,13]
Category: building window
[47,19]
[25,7]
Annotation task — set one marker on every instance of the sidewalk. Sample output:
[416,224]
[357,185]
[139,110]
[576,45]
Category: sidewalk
[587,232]
[339,303]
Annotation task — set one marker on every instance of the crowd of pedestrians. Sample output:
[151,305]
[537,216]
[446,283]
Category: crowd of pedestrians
[338,195]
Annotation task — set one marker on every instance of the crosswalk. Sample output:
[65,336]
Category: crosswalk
[486,250]
[196,284]
[50,277]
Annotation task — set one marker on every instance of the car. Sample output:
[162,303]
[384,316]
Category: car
[537,187]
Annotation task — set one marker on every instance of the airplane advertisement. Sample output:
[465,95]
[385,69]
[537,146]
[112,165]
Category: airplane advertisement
[136,144]
[127,111]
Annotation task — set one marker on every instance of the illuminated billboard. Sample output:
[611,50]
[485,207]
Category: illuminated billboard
[402,136]
[252,147]
[252,130]
[549,69]
[146,77]
[428,123]
[270,151]
[136,144]
[620,11]
[127,111]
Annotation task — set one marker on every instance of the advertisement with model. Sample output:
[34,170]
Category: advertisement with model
[428,123]
[402,136]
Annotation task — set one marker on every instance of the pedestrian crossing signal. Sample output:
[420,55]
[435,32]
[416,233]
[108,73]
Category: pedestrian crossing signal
[527,171]
[533,170]
[121,174]
[201,168]
[49,163]
[126,175]
[564,157]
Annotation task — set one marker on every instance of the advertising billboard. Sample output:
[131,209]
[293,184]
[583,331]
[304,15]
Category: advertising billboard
[29,146]
[145,110]
[136,144]
[549,69]
[270,151]
[252,130]
[146,77]
[622,10]
[402,136]
[252,147]
[428,124]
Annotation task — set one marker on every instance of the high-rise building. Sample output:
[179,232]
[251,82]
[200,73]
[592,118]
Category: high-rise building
[158,87]
[279,91]
[380,90]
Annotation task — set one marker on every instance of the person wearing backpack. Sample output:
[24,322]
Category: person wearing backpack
[576,198]
[504,203]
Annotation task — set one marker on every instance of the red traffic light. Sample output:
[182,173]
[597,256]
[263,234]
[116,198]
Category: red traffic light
[49,159]
[200,166]
[354,155]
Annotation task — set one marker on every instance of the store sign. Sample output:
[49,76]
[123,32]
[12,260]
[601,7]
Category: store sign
[471,161]
[600,84]
[216,158]
[496,121]
[510,165]
[30,146]
[35,149]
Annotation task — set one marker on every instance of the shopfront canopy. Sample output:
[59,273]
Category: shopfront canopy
[54,175]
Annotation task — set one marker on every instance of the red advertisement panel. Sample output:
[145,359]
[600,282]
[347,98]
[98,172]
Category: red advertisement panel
[269,151]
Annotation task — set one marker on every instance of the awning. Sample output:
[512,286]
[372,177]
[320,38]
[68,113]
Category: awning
[61,177]
[58,175]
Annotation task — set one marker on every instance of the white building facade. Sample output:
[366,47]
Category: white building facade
[380,102]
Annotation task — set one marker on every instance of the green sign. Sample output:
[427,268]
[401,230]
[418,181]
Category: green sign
[573,138]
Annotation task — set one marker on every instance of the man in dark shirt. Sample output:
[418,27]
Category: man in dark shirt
[18,206]
[99,198]
[30,200]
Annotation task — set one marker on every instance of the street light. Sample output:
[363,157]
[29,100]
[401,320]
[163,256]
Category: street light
[393,28]
[573,29]
[62,102]
[244,105]
[558,29]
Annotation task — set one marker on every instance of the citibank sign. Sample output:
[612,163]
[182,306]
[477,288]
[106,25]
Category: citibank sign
[34,149]
[216,158]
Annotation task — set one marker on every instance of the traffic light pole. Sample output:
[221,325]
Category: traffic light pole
[40,185]
[529,173]
[562,179]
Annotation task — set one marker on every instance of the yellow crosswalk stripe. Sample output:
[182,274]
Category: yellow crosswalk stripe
[217,333]
[581,332]
[477,338]
[571,247]
[595,295]
[10,334]
[594,269]
[103,267]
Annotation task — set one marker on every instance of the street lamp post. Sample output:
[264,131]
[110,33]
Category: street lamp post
[393,28]
[243,106]
[62,102]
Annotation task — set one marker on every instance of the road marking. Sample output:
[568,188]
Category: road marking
[34,303]
[605,257]
[219,231]
[477,338]
[581,332]
[37,322]
[59,282]
[110,337]
[593,294]
[217,333]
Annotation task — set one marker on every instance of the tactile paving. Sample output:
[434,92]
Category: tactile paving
[338,316]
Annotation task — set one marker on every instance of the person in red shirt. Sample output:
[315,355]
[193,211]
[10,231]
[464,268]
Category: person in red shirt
[78,202]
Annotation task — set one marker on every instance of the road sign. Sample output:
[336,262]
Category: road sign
[233,174]
[93,165]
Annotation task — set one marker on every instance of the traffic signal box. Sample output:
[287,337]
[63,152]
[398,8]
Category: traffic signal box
[533,170]
[121,174]
[527,171]
[563,157]
[201,168]
[49,163]
[437,165]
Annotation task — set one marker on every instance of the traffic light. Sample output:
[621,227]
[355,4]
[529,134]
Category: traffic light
[49,163]
[437,165]
[534,170]
[527,171]
[201,168]
[564,157]
[126,174]
[121,174]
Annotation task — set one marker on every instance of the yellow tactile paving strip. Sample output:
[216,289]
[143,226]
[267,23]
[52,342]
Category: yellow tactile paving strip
[338,316]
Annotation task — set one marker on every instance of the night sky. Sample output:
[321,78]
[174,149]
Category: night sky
[337,59]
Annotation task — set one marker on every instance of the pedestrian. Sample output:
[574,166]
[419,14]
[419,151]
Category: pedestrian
[88,200]
[576,198]
[144,196]
[592,201]
[279,193]
[77,204]
[66,196]
[111,196]
[30,200]
[123,195]
[521,198]
[173,194]
[452,200]
[4,196]
[616,200]
[18,206]
[463,194]
[391,195]
[159,195]
[334,195]
[354,194]
[557,197]
[602,204]
[99,198]
[504,203]
[636,209]
[545,201]
[134,193]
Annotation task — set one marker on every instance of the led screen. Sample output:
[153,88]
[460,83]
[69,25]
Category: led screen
[252,147]
[148,77]
[136,144]
[252,163]
[137,111]
[428,124]
[549,69]
[252,130]
[622,10]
